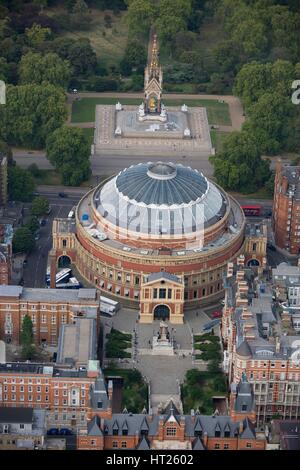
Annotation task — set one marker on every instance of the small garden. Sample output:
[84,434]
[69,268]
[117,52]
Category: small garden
[117,344]
[200,386]
[134,391]
[208,346]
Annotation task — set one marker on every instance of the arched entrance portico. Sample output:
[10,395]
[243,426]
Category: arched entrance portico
[64,262]
[253,262]
[161,312]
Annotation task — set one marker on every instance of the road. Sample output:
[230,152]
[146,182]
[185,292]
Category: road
[109,164]
[35,270]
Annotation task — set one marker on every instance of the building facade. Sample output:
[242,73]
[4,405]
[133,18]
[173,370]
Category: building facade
[48,309]
[3,180]
[69,395]
[22,428]
[152,218]
[6,236]
[170,430]
[286,208]
[253,346]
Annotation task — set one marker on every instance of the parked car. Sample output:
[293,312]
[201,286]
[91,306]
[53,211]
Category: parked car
[53,432]
[216,314]
[25,262]
[37,236]
[43,222]
[65,432]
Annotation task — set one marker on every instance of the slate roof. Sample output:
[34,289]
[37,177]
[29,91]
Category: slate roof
[16,415]
[197,444]
[163,275]
[244,349]
[143,444]
[94,428]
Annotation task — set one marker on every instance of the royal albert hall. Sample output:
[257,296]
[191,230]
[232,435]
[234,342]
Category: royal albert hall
[153,222]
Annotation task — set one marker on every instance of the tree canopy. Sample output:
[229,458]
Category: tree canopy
[31,113]
[239,166]
[37,68]
[23,241]
[40,206]
[69,152]
[21,184]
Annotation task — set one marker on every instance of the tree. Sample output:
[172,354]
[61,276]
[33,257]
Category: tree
[80,17]
[21,184]
[239,166]
[40,206]
[27,338]
[37,35]
[69,152]
[31,113]
[268,122]
[141,15]
[23,241]
[6,150]
[37,68]
[34,170]
[32,224]
[135,53]
[80,54]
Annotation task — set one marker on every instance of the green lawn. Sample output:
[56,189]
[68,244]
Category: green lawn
[89,133]
[84,109]
[217,139]
[135,390]
[108,43]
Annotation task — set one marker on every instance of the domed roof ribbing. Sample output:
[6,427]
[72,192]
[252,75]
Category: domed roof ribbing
[161,183]
[160,199]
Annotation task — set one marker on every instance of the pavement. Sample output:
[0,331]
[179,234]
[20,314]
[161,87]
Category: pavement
[35,270]
[110,163]
[235,107]
[164,373]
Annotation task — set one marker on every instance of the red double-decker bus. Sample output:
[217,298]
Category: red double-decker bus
[251,211]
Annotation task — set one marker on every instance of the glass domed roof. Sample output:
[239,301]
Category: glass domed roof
[161,183]
[160,198]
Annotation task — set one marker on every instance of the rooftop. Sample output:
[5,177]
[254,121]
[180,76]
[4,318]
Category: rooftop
[77,342]
[48,295]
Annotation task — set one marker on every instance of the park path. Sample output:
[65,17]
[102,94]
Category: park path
[235,107]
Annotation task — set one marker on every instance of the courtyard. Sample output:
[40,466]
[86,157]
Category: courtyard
[164,374]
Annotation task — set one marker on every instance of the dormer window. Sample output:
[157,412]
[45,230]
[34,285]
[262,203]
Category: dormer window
[124,432]
[115,432]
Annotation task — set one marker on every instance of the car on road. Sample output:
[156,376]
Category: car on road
[216,314]
[25,262]
[62,194]
[53,432]
[65,432]
[37,236]
[43,222]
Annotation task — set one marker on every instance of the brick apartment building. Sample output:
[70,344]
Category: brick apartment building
[48,309]
[68,395]
[286,208]
[22,428]
[171,430]
[254,346]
